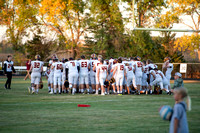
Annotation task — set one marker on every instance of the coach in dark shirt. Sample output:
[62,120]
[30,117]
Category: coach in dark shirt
[8,69]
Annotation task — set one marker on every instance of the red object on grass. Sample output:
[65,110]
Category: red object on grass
[83,105]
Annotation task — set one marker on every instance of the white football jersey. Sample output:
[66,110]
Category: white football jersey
[155,73]
[36,66]
[129,71]
[9,65]
[161,73]
[58,66]
[92,65]
[111,62]
[96,64]
[103,70]
[72,66]
[138,66]
[84,64]
[120,69]
[151,66]
[146,69]
[170,69]
[50,63]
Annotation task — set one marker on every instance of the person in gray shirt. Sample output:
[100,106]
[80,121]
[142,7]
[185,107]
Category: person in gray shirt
[179,122]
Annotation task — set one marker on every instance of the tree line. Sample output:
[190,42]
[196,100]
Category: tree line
[97,26]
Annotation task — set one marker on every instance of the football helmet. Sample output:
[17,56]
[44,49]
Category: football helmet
[37,57]
[112,80]
[93,56]
[66,84]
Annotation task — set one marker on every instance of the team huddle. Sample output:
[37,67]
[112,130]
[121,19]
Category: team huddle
[99,76]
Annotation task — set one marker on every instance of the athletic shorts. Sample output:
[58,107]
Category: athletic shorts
[51,78]
[157,81]
[73,78]
[35,78]
[63,79]
[57,79]
[138,77]
[102,80]
[93,78]
[119,80]
[84,79]
[129,80]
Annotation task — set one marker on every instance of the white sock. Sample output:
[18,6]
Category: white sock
[150,91]
[74,90]
[117,91]
[49,88]
[88,90]
[96,91]
[99,89]
[55,91]
[33,90]
[81,90]
[37,90]
[52,90]
[93,90]
[59,91]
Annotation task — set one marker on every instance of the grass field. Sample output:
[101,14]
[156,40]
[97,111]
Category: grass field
[24,113]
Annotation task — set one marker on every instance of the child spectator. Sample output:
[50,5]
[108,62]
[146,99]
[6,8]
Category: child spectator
[179,122]
[178,82]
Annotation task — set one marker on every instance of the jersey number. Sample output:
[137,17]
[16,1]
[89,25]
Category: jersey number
[83,64]
[129,68]
[9,65]
[36,65]
[139,64]
[121,67]
[104,68]
[73,64]
[59,66]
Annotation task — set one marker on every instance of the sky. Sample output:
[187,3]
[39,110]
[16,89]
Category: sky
[129,25]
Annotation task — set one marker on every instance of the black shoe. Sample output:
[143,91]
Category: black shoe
[60,93]
[55,93]
[169,93]
[5,87]
[9,88]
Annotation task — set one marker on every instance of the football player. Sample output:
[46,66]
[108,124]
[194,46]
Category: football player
[120,71]
[114,76]
[157,79]
[72,72]
[96,64]
[138,67]
[37,69]
[92,72]
[47,77]
[51,75]
[64,75]
[144,76]
[84,70]
[165,82]
[102,73]
[168,66]
[57,66]
[129,76]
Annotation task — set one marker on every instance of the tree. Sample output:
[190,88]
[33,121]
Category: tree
[147,10]
[105,28]
[67,19]
[17,16]
[190,8]
[38,45]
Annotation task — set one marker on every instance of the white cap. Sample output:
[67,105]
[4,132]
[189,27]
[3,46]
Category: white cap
[178,74]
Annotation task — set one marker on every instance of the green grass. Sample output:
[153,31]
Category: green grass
[22,112]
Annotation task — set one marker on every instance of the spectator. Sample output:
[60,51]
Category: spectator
[28,65]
